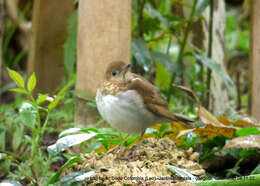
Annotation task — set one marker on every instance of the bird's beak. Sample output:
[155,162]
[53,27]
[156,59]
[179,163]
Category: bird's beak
[125,69]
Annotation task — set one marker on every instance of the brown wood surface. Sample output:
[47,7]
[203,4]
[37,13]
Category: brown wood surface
[50,23]
[255,60]
[104,35]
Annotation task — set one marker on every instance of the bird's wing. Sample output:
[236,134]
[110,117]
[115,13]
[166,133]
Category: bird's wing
[152,98]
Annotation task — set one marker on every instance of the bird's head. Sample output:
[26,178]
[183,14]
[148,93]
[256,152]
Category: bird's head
[117,70]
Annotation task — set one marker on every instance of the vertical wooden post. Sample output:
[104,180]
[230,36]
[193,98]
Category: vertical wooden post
[49,29]
[254,105]
[104,35]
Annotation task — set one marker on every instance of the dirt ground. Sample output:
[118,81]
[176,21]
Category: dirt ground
[148,168]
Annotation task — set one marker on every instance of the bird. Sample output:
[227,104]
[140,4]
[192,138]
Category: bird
[130,103]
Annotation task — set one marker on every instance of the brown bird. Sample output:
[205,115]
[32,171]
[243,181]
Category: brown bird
[130,103]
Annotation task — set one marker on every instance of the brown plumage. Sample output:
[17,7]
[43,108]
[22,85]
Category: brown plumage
[152,98]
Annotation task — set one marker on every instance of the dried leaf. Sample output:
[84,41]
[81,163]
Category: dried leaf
[177,128]
[211,130]
[206,117]
[246,142]
[242,123]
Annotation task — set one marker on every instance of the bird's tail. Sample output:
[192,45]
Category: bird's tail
[183,119]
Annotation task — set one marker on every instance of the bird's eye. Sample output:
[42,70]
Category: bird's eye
[114,73]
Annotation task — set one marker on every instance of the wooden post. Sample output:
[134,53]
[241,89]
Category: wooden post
[104,35]
[254,104]
[50,22]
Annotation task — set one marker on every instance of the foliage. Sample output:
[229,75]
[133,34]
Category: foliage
[33,116]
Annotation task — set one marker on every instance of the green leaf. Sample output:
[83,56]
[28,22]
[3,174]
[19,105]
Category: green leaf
[68,141]
[201,6]
[18,136]
[181,172]
[247,131]
[53,104]
[93,147]
[31,82]
[162,78]
[27,115]
[219,70]
[70,45]
[166,61]
[19,90]
[56,176]
[16,77]
[42,98]
[256,170]
[154,13]
[141,53]
[69,131]
[76,178]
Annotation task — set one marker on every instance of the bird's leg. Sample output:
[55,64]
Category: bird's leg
[132,155]
[116,148]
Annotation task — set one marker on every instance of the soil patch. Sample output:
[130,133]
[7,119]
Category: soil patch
[148,168]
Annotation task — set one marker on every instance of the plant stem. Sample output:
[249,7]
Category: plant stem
[182,48]
[252,180]
[37,132]
[209,55]
[169,45]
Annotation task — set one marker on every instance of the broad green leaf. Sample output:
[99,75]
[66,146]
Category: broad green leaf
[27,115]
[162,78]
[56,176]
[69,131]
[166,61]
[70,45]
[68,141]
[31,82]
[256,170]
[181,172]
[19,90]
[141,53]
[54,103]
[42,98]
[18,136]
[16,77]
[201,6]
[93,147]
[154,13]
[247,131]
[219,70]
[76,178]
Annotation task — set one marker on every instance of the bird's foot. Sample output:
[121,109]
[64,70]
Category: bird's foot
[132,156]
[114,150]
